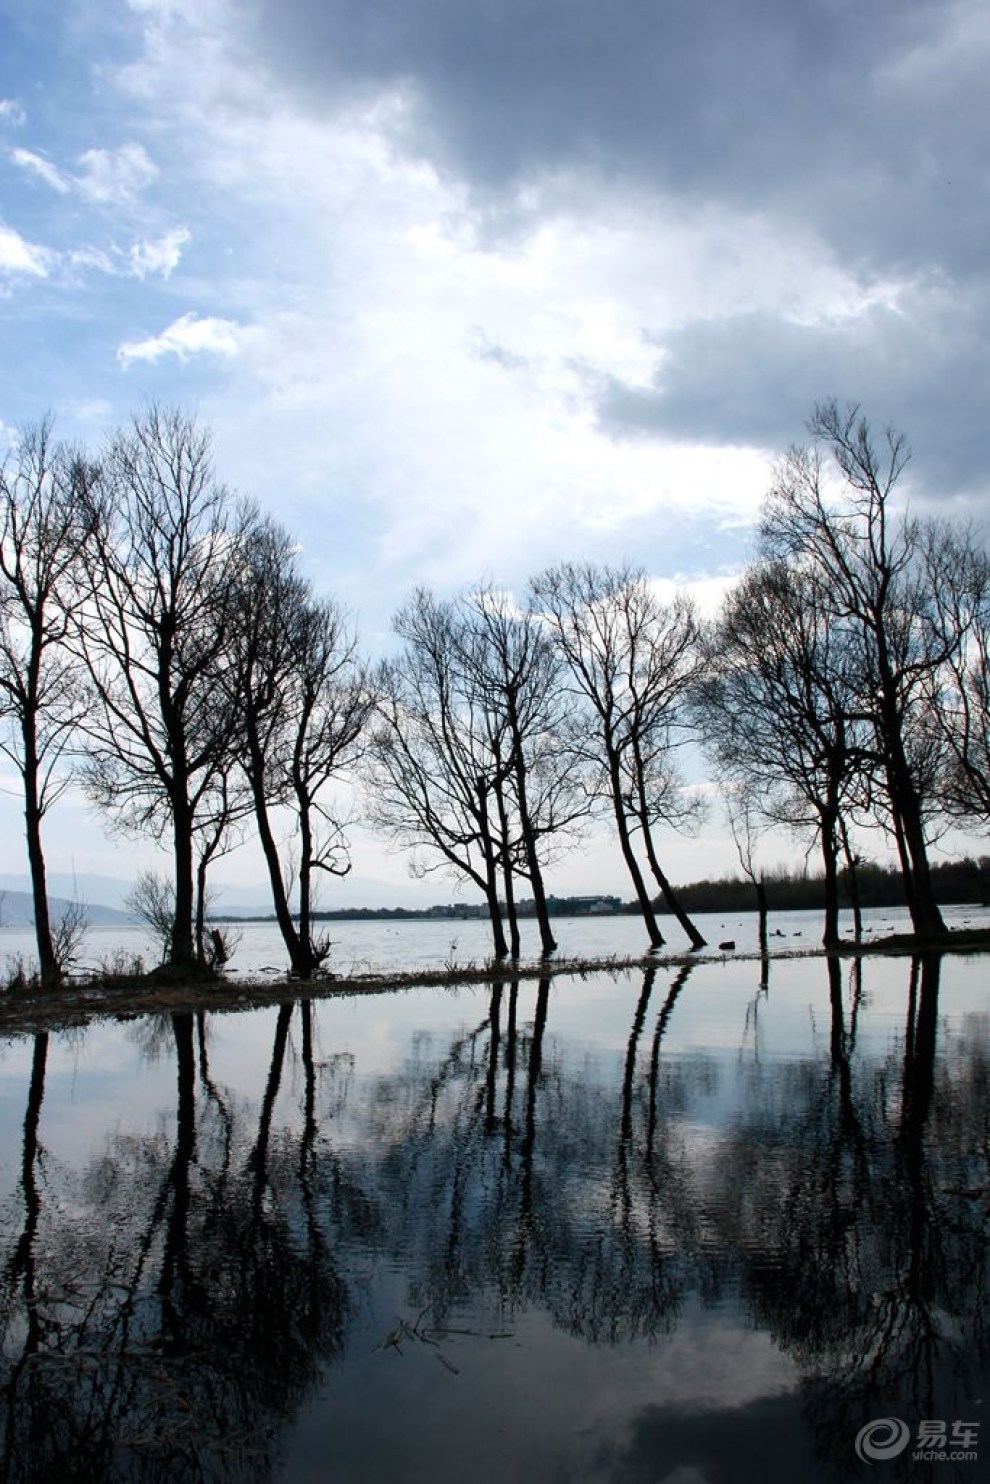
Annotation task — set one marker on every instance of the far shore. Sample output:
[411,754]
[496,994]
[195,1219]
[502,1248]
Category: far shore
[79,1003]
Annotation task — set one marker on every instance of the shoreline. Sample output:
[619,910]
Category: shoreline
[23,1012]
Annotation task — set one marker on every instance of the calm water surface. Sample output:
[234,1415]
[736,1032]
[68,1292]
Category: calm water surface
[647,1227]
[365,947]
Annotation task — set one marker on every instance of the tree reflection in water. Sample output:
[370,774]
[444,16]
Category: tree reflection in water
[861,1247]
[168,1311]
[185,1308]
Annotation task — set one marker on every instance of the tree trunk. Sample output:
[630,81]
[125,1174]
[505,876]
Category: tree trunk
[305,926]
[696,940]
[830,862]
[852,875]
[926,917]
[628,855]
[495,914]
[548,943]
[283,916]
[491,871]
[48,965]
[669,896]
[182,954]
[507,883]
[760,888]
[905,805]
[201,868]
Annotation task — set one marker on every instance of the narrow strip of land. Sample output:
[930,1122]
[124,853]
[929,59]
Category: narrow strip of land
[80,1003]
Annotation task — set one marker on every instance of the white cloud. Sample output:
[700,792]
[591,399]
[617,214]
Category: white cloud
[115,175]
[107,176]
[11,112]
[707,592]
[92,257]
[17,255]
[35,164]
[158,257]
[185,337]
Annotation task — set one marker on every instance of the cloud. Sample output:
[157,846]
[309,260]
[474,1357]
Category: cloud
[36,164]
[11,112]
[185,337]
[20,256]
[115,175]
[107,176]
[158,257]
[144,259]
[920,362]
[866,122]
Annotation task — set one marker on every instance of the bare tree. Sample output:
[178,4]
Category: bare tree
[870,560]
[518,677]
[743,812]
[152,899]
[473,763]
[438,766]
[778,711]
[42,526]
[154,633]
[634,661]
[959,694]
[302,698]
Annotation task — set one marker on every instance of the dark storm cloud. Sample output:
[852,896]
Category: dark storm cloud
[857,132]
[812,108]
[754,378]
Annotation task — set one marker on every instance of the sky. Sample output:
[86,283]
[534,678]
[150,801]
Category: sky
[468,287]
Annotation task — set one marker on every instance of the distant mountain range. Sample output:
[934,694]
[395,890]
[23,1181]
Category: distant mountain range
[106,891]
[17,911]
[102,894]
[104,897]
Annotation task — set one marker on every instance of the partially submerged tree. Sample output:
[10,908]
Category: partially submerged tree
[633,660]
[42,698]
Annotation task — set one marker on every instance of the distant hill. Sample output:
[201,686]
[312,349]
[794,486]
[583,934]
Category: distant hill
[108,891]
[17,911]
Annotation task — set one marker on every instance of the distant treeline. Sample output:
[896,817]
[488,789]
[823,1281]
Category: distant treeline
[597,906]
[965,880]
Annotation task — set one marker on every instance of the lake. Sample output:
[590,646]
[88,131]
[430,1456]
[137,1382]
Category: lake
[425,943]
[674,1226]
